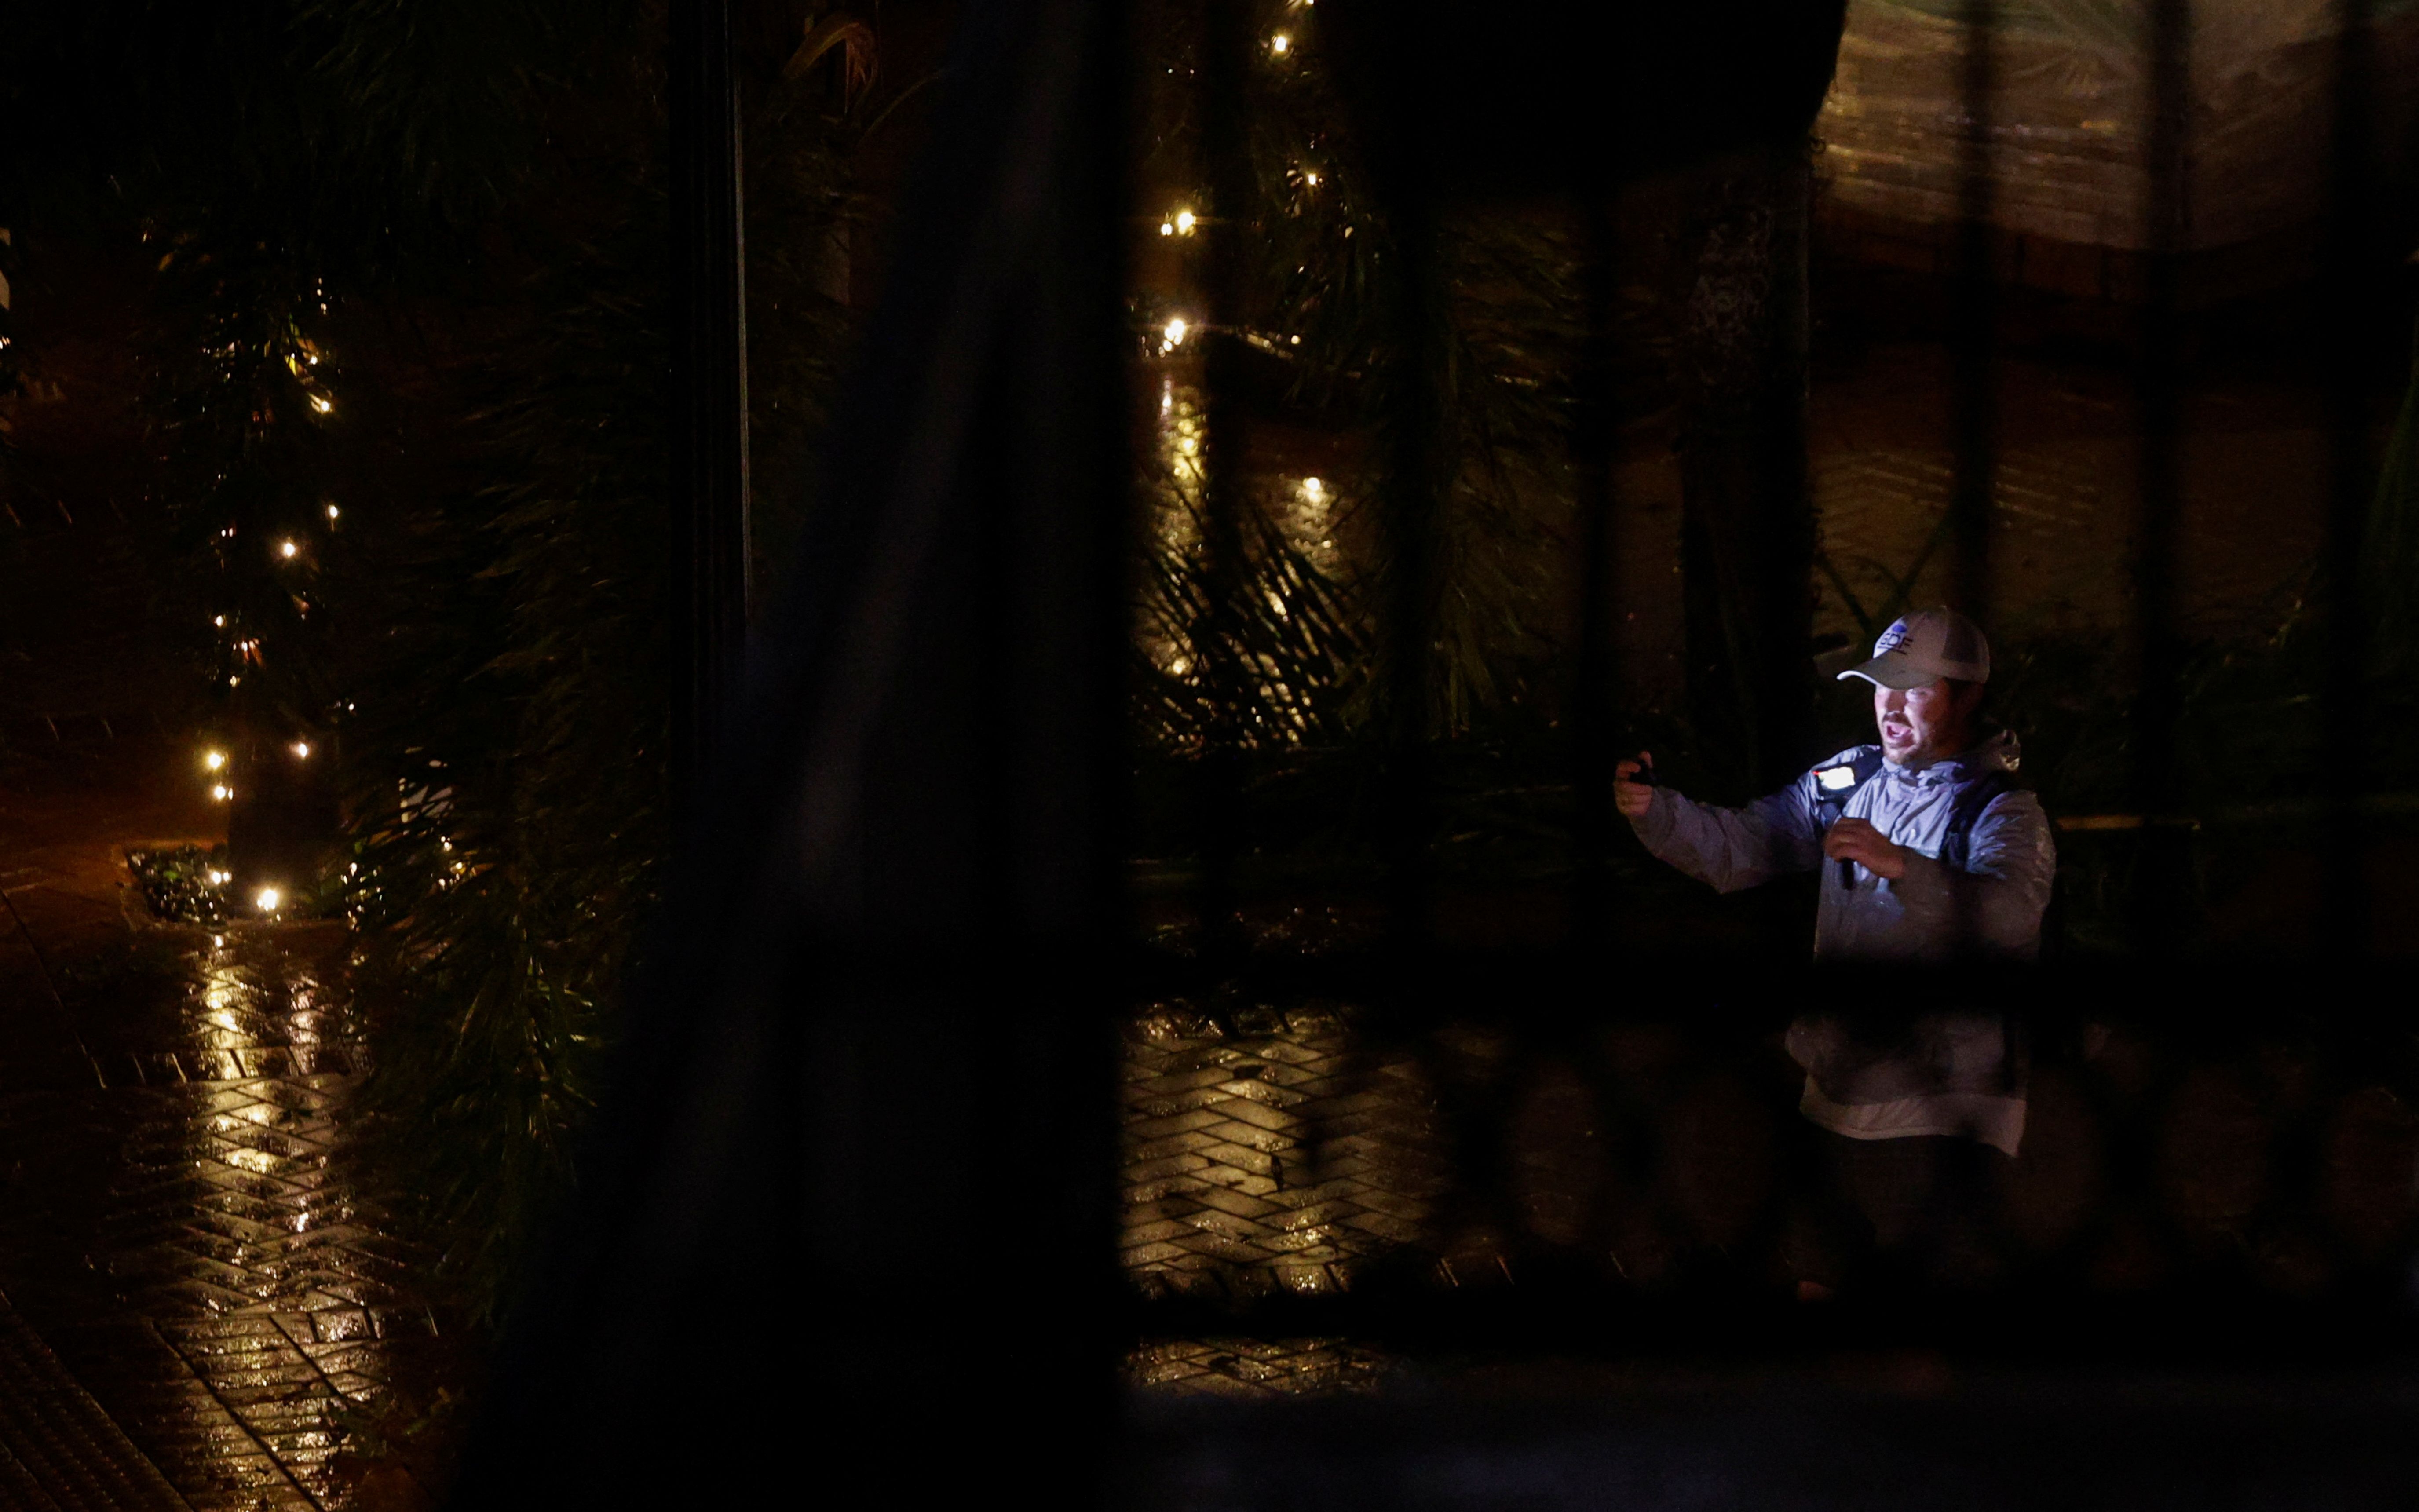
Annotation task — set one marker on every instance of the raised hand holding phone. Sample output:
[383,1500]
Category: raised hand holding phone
[1633,786]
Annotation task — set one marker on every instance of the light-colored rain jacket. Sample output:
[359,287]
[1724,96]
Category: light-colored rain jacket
[1948,1072]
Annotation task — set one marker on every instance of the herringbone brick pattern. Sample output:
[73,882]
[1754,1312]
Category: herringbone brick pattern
[1297,1150]
[193,1243]
[1276,1157]
[1224,1367]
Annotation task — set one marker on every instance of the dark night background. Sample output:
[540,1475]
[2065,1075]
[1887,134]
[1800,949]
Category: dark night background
[422,1013]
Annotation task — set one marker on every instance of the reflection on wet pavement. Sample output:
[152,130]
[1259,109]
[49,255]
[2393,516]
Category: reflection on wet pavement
[1229,1192]
[1257,1367]
[182,1228]
[2063,502]
[1274,1151]
[1293,1151]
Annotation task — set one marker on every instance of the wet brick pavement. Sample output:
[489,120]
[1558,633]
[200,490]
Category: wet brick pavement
[180,1226]
[1276,1158]
[58,1450]
[180,1230]
[1293,1151]
[1274,1151]
[1251,1368]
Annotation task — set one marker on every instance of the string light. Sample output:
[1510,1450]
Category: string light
[1167,228]
[213,760]
[219,620]
[287,548]
[332,512]
[269,899]
[320,405]
[303,747]
[222,793]
[220,879]
[1174,334]
[1185,220]
[1313,489]
[1281,44]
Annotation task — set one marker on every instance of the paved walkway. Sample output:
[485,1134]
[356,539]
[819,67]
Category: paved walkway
[1290,1151]
[58,1449]
[200,1308]
[180,1227]
[1295,1151]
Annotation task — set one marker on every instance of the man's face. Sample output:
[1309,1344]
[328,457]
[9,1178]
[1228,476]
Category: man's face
[1920,725]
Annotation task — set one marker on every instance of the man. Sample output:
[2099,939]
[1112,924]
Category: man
[1928,853]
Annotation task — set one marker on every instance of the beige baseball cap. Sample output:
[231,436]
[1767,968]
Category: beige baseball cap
[1935,643]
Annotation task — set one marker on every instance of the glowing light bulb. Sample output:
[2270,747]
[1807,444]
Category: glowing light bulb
[213,760]
[1281,44]
[219,620]
[303,749]
[269,899]
[218,879]
[1313,489]
[1167,228]
[1174,332]
[222,793]
[332,512]
[287,548]
[320,405]
[1310,178]
[1185,221]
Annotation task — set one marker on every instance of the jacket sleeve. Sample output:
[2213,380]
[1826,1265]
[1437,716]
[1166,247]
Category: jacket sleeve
[1999,899]
[1734,848]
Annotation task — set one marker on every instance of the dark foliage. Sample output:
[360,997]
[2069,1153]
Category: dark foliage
[182,884]
[1323,282]
[407,316]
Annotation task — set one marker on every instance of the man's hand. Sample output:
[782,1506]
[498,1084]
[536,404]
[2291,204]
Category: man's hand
[1633,798]
[1857,841]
